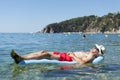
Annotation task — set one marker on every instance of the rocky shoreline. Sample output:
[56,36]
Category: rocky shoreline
[118,32]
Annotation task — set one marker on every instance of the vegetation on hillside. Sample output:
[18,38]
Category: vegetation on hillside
[92,23]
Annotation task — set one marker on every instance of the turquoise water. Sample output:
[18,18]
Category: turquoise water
[24,43]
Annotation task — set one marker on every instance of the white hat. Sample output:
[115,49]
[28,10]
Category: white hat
[101,49]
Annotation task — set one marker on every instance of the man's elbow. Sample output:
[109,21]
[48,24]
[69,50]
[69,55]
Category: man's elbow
[82,62]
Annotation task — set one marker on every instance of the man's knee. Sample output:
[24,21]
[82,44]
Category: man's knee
[43,51]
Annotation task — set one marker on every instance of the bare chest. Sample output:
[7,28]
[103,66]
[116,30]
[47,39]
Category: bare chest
[81,54]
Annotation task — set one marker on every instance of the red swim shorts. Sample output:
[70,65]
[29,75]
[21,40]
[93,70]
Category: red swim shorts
[63,56]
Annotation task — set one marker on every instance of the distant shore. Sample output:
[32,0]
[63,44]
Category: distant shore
[66,32]
[107,24]
[118,32]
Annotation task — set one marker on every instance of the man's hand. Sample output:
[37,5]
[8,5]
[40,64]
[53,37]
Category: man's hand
[71,54]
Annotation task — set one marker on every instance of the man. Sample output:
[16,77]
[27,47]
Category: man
[79,57]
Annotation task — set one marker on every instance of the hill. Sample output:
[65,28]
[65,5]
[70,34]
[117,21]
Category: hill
[92,23]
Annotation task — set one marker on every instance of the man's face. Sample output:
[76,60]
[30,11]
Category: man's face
[95,50]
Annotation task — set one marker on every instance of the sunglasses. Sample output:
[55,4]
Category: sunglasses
[96,48]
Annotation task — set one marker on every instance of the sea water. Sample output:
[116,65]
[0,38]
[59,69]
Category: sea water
[24,43]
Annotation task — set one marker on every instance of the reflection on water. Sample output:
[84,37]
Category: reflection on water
[47,71]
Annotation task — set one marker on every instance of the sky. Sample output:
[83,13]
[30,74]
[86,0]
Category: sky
[34,15]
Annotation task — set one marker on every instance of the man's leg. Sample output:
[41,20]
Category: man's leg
[35,55]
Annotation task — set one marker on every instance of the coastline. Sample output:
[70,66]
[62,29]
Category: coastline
[118,32]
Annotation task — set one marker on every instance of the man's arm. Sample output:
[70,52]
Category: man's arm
[81,60]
